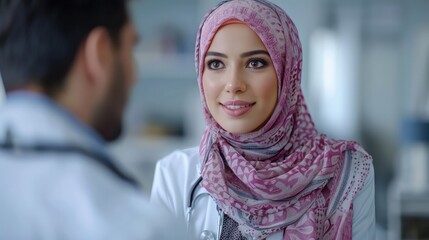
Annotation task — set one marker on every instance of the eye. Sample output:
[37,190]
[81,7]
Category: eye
[215,64]
[256,63]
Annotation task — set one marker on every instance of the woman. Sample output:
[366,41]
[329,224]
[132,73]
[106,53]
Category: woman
[262,171]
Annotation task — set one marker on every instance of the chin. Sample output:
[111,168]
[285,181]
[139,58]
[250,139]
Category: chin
[242,127]
[114,134]
[110,132]
[236,129]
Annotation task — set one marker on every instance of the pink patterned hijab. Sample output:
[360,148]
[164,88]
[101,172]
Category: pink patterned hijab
[284,176]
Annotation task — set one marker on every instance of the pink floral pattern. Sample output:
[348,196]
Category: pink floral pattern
[285,176]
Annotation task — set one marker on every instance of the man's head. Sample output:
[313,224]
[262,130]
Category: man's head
[79,52]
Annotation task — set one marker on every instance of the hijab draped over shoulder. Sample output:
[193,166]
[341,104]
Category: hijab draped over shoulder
[285,175]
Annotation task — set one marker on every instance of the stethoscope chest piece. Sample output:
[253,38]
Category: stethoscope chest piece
[207,235]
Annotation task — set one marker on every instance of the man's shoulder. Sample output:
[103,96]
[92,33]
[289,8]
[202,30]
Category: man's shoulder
[61,174]
[80,194]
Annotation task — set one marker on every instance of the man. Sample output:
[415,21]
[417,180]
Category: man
[67,67]
[1,91]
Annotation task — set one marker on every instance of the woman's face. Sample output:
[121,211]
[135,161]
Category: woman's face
[239,79]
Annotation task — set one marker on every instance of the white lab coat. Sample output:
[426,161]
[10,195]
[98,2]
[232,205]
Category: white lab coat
[66,195]
[177,173]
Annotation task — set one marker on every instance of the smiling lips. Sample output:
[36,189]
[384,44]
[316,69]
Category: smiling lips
[236,108]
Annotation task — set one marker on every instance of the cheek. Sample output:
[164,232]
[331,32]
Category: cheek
[268,90]
[129,67]
[211,88]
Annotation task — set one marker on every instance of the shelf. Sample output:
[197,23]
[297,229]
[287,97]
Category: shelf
[415,205]
[165,66]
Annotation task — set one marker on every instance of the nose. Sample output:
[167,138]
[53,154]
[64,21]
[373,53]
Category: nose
[235,83]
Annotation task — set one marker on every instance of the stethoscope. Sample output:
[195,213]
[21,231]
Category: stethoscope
[192,201]
[192,192]
[101,159]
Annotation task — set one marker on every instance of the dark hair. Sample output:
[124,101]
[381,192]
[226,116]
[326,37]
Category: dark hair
[39,39]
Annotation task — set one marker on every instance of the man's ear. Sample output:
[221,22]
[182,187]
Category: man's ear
[99,54]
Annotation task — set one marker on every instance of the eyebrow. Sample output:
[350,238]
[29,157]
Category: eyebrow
[248,54]
[243,55]
[216,54]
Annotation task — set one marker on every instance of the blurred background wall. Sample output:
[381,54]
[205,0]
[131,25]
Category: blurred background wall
[365,77]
